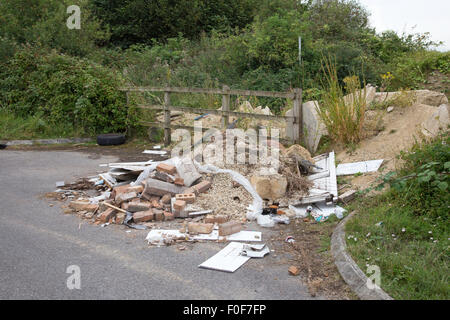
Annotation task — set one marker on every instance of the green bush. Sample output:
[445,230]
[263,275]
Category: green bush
[64,89]
[424,181]
[43,23]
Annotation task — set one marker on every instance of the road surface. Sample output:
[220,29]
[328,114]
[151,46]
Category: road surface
[39,243]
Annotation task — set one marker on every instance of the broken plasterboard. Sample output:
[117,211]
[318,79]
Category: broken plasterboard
[324,181]
[154,152]
[229,259]
[358,167]
[255,251]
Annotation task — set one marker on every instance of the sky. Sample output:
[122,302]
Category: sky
[412,16]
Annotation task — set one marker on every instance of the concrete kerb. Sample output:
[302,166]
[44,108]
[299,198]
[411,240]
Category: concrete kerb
[349,270]
[45,141]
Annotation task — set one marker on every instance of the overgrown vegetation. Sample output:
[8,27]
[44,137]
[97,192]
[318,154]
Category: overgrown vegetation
[342,115]
[62,90]
[245,44]
[405,230]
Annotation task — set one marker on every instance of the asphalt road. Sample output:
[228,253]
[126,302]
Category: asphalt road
[38,243]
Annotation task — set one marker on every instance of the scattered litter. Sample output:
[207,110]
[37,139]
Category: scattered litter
[60,184]
[281,219]
[293,270]
[157,147]
[289,239]
[358,167]
[255,251]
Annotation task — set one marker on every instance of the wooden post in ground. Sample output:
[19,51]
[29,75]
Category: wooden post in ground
[166,118]
[225,106]
[298,114]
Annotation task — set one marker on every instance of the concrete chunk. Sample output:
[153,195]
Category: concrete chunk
[230,227]
[160,188]
[203,228]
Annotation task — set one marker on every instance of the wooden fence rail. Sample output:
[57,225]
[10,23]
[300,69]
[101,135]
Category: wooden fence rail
[295,121]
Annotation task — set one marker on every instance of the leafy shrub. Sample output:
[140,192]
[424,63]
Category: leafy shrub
[64,89]
[424,180]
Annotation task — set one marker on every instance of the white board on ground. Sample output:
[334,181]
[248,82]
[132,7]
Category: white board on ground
[229,259]
[358,167]
[154,152]
[324,180]
[238,236]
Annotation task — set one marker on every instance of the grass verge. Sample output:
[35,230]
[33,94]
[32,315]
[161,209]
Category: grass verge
[405,231]
[33,127]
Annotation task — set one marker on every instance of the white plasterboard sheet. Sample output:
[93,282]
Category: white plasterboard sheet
[328,182]
[238,236]
[229,259]
[154,152]
[356,167]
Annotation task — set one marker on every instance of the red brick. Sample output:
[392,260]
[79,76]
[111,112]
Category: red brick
[137,189]
[293,270]
[159,214]
[179,205]
[106,215]
[205,228]
[123,197]
[203,186]
[230,227]
[216,219]
[179,181]
[120,189]
[167,168]
[135,206]
[187,197]
[168,216]
[83,206]
[143,216]
[166,198]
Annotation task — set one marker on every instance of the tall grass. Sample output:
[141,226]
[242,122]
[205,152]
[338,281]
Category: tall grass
[342,115]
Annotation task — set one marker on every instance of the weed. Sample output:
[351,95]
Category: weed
[342,115]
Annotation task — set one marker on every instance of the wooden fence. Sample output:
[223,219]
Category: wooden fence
[295,121]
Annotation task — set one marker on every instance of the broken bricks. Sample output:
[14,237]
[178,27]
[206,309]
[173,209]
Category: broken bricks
[230,227]
[160,188]
[200,228]
[106,215]
[167,168]
[143,216]
[187,197]
[80,205]
[293,270]
[202,186]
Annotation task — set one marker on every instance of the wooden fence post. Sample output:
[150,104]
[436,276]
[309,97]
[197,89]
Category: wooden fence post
[225,106]
[298,114]
[167,131]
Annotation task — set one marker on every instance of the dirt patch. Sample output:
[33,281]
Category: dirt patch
[311,254]
[401,129]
